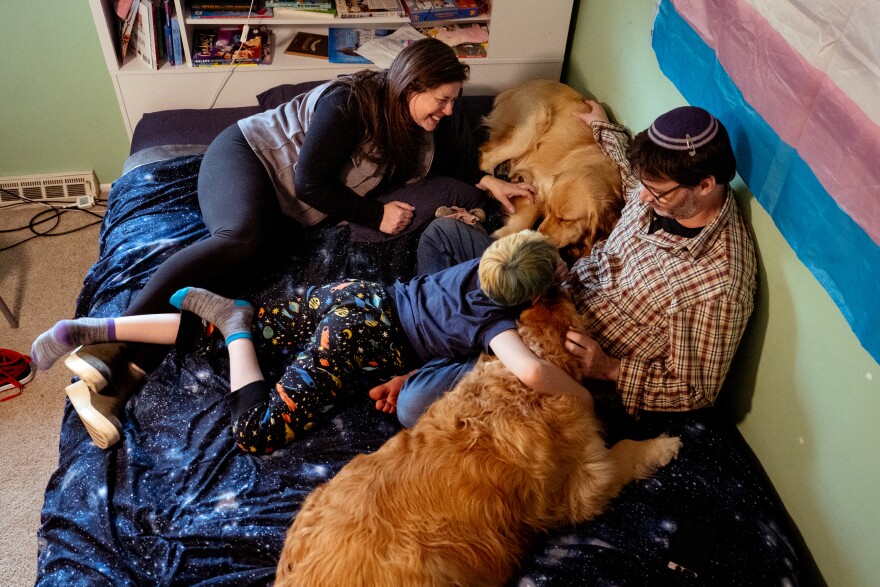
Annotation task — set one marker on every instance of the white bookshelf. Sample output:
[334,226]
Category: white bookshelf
[526,41]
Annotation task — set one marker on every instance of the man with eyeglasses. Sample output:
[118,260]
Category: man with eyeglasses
[665,298]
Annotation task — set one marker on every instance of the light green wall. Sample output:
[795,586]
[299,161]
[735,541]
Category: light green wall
[59,109]
[805,391]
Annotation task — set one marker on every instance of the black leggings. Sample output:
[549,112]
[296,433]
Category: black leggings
[241,212]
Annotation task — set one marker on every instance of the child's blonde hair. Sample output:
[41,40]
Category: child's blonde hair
[518,267]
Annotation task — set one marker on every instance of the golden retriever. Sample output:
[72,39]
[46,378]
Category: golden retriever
[456,499]
[579,191]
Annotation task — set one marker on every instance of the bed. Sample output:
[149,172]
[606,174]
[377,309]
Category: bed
[176,503]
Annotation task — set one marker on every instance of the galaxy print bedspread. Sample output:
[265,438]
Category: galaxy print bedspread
[176,503]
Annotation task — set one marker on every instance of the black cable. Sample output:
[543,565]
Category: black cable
[55,212]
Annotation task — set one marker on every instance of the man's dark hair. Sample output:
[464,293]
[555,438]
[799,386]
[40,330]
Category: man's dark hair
[652,162]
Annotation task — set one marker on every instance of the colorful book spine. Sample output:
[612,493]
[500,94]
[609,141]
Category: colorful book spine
[176,42]
[166,29]
[427,10]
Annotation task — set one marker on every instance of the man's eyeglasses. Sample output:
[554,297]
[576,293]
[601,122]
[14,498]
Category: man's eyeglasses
[661,195]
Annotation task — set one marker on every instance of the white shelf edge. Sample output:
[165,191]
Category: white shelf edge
[307,63]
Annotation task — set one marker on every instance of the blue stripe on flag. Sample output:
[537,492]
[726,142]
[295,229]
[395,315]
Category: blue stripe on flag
[844,259]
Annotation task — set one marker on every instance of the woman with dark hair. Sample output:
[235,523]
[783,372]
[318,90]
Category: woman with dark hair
[381,150]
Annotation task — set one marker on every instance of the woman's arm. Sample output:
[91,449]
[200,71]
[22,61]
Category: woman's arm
[539,374]
[333,135]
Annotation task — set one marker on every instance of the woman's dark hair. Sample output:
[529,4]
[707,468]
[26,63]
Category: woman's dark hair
[381,98]
[655,163]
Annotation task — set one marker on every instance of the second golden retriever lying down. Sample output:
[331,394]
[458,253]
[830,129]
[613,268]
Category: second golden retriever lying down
[579,190]
[457,499]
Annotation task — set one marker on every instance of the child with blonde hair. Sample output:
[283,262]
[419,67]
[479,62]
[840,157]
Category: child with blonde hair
[342,338]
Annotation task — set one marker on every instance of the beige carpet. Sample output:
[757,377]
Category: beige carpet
[39,281]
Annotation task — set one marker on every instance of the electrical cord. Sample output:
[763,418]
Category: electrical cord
[51,213]
[245,29]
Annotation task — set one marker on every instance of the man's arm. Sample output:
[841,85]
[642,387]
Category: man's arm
[538,374]
[702,342]
[613,139]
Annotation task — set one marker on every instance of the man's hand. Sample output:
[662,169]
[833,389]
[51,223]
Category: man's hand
[594,362]
[396,217]
[596,113]
[504,191]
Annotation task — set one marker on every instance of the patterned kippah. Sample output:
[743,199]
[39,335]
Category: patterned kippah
[684,129]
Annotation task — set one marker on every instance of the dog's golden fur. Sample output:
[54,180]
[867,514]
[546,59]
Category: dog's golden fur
[456,499]
[579,190]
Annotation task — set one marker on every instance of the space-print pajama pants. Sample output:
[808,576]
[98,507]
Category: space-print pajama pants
[339,339]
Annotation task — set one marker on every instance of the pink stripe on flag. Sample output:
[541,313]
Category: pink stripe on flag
[802,104]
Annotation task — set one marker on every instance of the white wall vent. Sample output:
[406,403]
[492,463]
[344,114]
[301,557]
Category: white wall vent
[48,187]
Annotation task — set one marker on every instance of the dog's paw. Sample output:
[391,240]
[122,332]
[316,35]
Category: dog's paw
[664,449]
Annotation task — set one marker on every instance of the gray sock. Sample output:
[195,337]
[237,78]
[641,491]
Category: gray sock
[66,335]
[232,317]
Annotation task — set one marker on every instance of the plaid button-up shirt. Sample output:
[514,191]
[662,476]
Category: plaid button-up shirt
[672,309]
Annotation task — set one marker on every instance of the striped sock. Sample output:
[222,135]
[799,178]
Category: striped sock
[66,335]
[232,317]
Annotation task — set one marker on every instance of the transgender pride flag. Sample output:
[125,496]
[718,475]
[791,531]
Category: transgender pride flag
[797,84]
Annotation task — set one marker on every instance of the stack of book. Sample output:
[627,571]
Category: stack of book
[224,46]
[428,10]
[155,33]
[228,9]
[367,8]
[296,8]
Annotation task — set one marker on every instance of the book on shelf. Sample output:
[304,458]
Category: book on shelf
[159,30]
[260,13]
[224,46]
[467,8]
[469,40]
[176,42]
[238,5]
[367,8]
[383,50]
[343,43]
[126,26]
[426,10]
[309,45]
[302,5]
[145,35]
[304,13]
[166,30]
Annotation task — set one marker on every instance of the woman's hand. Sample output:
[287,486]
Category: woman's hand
[504,191]
[596,113]
[396,217]
[594,362]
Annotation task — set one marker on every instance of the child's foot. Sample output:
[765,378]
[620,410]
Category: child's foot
[232,317]
[66,335]
[386,394]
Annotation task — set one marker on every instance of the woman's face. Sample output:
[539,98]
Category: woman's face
[428,107]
